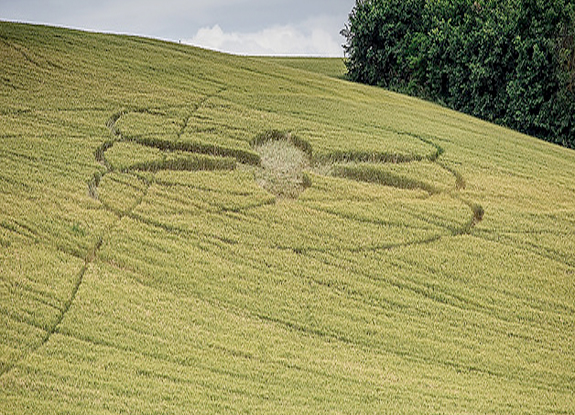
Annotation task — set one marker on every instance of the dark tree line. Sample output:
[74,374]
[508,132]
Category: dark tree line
[511,62]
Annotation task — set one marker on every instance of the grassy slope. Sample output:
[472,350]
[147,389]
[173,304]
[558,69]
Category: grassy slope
[143,270]
[333,67]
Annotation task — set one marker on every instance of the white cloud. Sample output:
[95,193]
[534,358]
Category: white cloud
[276,40]
[278,27]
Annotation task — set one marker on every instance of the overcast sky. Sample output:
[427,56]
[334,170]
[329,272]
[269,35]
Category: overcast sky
[253,27]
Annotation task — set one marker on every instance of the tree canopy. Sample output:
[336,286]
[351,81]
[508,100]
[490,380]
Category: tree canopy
[511,62]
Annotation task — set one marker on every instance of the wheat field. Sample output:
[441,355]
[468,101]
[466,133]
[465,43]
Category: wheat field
[184,231]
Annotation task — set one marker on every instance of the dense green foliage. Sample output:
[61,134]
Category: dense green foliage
[511,62]
[189,232]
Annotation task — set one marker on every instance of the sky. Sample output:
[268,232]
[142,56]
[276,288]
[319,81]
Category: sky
[246,27]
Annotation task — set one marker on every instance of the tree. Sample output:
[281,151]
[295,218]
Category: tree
[509,61]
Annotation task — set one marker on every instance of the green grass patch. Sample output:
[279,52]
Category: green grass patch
[333,67]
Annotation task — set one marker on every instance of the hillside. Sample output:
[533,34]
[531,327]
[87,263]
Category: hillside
[183,231]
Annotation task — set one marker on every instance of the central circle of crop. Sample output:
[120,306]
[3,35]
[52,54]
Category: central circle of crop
[282,166]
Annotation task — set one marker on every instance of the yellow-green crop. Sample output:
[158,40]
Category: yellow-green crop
[395,258]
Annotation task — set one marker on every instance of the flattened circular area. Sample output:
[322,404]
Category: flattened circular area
[282,168]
